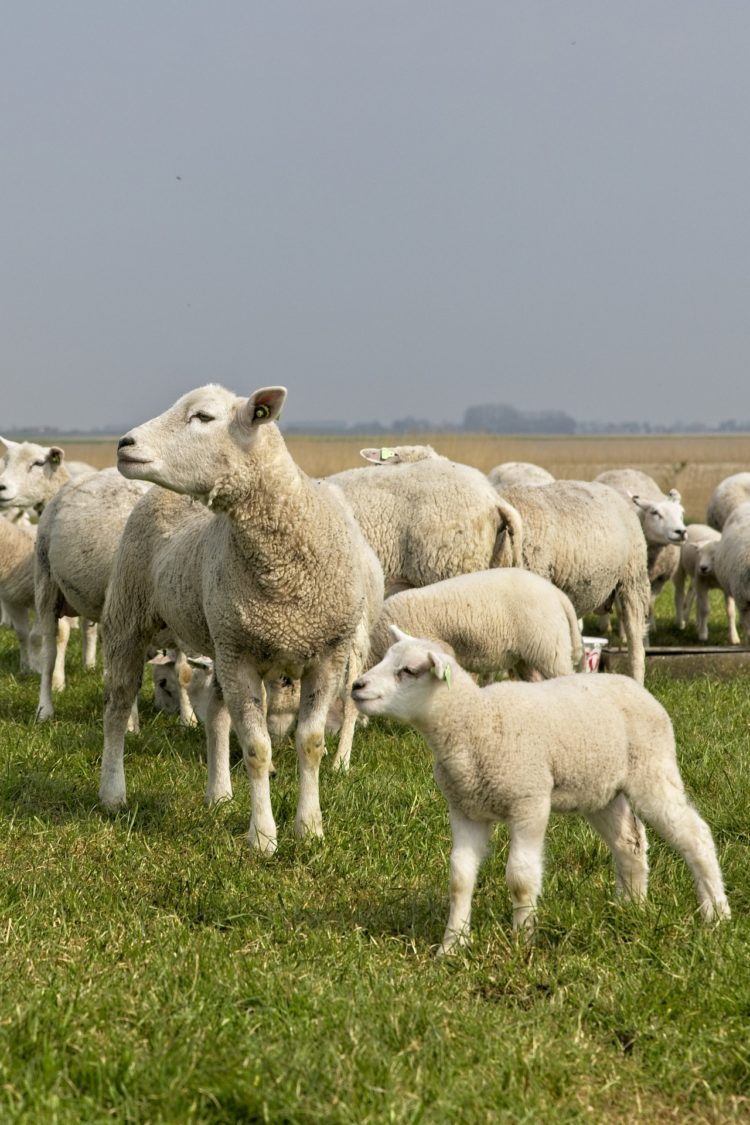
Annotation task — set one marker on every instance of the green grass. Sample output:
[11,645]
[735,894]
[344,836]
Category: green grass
[153,970]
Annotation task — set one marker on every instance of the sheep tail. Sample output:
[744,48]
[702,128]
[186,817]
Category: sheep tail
[510,528]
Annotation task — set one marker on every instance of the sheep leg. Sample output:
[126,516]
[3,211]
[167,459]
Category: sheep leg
[218,726]
[88,643]
[734,637]
[52,672]
[184,675]
[663,804]
[625,837]
[318,688]
[702,608]
[633,614]
[470,842]
[242,689]
[354,667]
[681,609]
[19,619]
[121,683]
[61,647]
[523,871]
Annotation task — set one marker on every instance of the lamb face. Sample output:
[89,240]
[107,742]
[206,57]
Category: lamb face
[186,450]
[401,686]
[663,520]
[705,554]
[30,474]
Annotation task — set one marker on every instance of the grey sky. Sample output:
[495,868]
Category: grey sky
[393,207]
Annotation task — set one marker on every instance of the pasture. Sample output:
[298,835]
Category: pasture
[692,463]
[154,970]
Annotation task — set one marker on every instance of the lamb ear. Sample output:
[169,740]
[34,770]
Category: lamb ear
[264,405]
[399,634]
[56,456]
[7,442]
[441,668]
[637,501]
[673,494]
[378,456]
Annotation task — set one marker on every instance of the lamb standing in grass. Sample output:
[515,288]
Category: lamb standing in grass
[696,566]
[728,495]
[264,574]
[515,752]
[732,569]
[17,591]
[492,620]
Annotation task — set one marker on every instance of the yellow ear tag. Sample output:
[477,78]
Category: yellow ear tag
[445,676]
[262,412]
[386,454]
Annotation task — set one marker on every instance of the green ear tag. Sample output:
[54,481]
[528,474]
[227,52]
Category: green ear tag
[447,674]
[386,454]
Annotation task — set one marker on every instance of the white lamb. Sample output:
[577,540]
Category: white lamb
[492,621]
[728,495]
[662,519]
[17,591]
[515,752]
[696,566]
[586,539]
[511,473]
[429,520]
[264,574]
[732,569]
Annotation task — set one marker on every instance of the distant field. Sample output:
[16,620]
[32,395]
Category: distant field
[692,463]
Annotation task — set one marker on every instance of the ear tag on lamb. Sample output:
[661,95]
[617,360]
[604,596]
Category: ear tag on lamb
[387,454]
[444,675]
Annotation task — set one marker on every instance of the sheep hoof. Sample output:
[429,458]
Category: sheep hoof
[113,804]
[341,765]
[219,797]
[58,683]
[313,826]
[261,843]
[44,714]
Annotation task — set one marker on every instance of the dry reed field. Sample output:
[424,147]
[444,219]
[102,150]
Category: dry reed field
[692,463]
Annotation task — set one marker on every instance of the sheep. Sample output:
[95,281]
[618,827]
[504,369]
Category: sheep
[492,620]
[17,591]
[263,574]
[78,533]
[727,495]
[525,473]
[514,752]
[429,520]
[697,564]
[662,519]
[586,539]
[31,474]
[400,454]
[732,569]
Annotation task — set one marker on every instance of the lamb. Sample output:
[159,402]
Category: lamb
[732,569]
[17,591]
[429,520]
[492,620]
[515,752]
[78,533]
[728,495]
[31,474]
[697,564]
[264,574]
[662,519]
[587,540]
[525,473]
[400,454]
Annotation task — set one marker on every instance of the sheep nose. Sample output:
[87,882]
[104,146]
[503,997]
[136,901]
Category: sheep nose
[3,487]
[358,684]
[683,534]
[127,440]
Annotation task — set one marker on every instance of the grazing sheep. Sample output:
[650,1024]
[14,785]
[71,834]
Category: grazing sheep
[525,473]
[429,520]
[697,565]
[662,519]
[264,574]
[78,534]
[400,454]
[728,495]
[515,752]
[732,569]
[492,620]
[586,539]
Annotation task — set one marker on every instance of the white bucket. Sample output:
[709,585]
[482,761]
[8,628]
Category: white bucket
[593,652]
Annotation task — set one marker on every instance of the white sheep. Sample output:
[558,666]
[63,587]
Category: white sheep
[514,752]
[264,574]
[78,533]
[492,621]
[511,473]
[586,539]
[732,569]
[429,520]
[728,495]
[696,566]
[662,519]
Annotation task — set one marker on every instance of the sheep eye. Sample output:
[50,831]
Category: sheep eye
[202,416]
[409,671]
[162,683]
[655,512]
[37,465]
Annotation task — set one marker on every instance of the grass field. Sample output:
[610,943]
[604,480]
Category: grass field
[692,463]
[154,970]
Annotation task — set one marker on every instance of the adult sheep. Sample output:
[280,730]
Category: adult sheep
[586,539]
[17,592]
[264,574]
[430,519]
[728,495]
[492,620]
[525,473]
[732,569]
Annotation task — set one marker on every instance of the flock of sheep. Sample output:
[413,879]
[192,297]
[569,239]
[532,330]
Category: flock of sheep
[265,598]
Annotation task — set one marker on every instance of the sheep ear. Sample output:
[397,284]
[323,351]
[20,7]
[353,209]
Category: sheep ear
[7,442]
[399,634]
[673,494]
[637,501]
[264,405]
[378,456]
[56,456]
[441,668]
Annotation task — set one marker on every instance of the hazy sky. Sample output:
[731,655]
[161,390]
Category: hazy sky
[391,206]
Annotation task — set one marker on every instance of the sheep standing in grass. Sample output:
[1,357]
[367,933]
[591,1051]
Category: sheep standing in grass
[492,620]
[429,520]
[515,752]
[587,540]
[511,473]
[732,569]
[728,495]
[264,574]
[696,566]
[17,591]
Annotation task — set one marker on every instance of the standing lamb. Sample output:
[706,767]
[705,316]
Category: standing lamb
[587,540]
[728,495]
[696,565]
[510,473]
[662,519]
[429,520]
[264,574]
[17,591]
[732,569]
[492,620]
[515,752]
